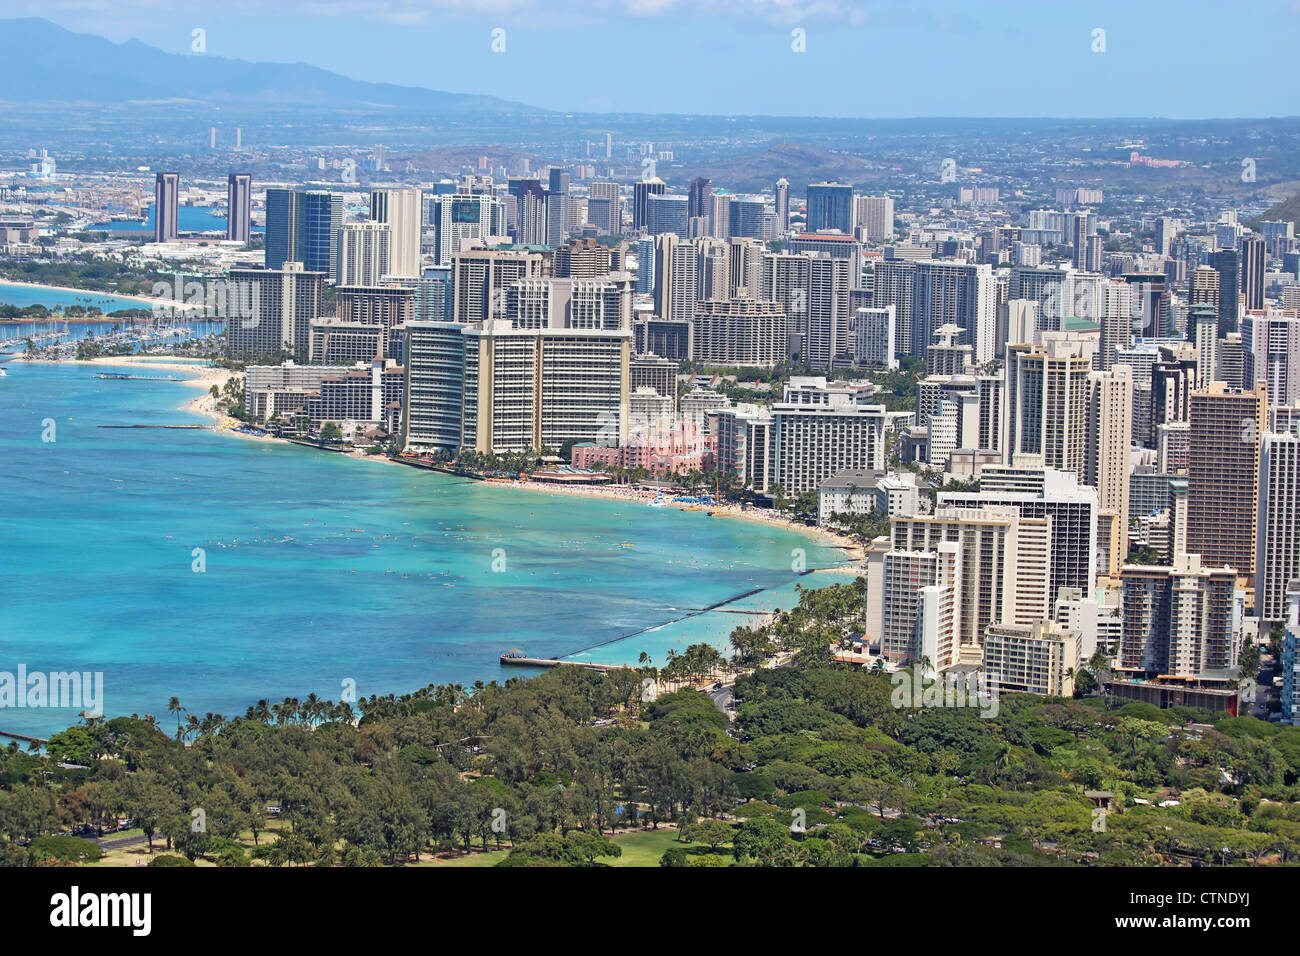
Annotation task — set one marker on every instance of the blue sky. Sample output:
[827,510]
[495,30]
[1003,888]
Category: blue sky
[874,58]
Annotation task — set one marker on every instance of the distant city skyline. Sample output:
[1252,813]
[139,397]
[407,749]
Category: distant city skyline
[738,57]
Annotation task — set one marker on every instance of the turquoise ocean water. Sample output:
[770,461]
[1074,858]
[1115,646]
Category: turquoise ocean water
[321,568]
[25,295]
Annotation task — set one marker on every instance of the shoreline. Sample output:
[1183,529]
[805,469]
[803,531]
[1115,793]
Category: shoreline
[150,303]
[201,376]
[853,551]
[205,376]
[205,405]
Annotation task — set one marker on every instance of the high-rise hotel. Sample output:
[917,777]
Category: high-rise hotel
[493,388]
[1223,475]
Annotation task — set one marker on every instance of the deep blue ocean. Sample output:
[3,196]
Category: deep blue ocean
[318,568]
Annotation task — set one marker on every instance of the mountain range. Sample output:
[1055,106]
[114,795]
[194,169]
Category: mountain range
[49,65]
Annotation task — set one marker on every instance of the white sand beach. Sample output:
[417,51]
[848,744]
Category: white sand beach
[205,376]
[852,549]
[145,301]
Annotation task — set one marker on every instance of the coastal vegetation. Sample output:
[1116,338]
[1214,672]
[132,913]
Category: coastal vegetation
[83,272]
[816,766]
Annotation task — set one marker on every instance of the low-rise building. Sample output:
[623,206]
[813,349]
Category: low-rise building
[849,492]
[1039,658]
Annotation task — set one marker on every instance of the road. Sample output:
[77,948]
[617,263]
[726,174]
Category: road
[725,699]
[120,843]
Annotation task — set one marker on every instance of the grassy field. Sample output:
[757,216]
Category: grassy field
[643,848]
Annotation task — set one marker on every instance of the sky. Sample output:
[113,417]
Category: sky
[1180,59]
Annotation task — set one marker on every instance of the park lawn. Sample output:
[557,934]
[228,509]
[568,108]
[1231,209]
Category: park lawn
[139,854]
[476,858]
[645,847]
[642,848]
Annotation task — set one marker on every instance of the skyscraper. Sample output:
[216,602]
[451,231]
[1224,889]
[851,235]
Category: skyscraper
[1093,257]
[1291,660]
[698,197]
[892,284]
[528,389]
[166,206]
[830,208]
[743,332]
[1110,434]
[239,205]
[1004,573]
[814,289]
[1254,264]
[676,278]
[664,213]
[303,227]
[434,398]
[1079,238]
[919,605]
[821,433]
[1167,230]
[781,197]
[875,218]
[480,278]
[954,293]
[1203,330]
[402,210]
[1223,475]
[460,216]
[1116,320]
[719,214]
[1203,287]
[271,310]
[1277,548]
[530,212]
[1178,620]
[645,266]
[365,253]
[557,207]
[604,207]
[1226,263]
[1044,493]
[640,191]
[1270,352]
[1048,399]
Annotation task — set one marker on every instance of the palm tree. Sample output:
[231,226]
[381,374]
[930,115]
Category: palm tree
[174,706]
[1100,665]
